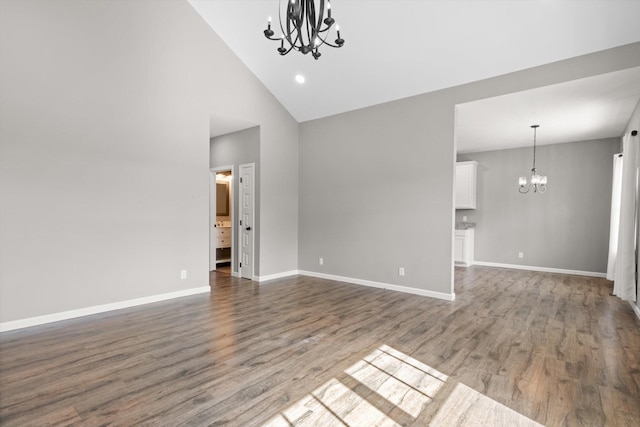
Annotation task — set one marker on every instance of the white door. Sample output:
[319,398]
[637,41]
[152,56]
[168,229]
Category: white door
[246,222]
[212,221]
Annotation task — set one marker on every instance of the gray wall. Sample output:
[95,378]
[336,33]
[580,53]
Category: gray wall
[376,185]
[104,163]
[567,227]
[364,201]
[234,149]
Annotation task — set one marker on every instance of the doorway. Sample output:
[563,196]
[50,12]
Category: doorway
[239,152]
[221,220]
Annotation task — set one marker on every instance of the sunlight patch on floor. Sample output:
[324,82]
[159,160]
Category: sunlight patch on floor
[401,383]
[387,388]
[332,404]
[465,406]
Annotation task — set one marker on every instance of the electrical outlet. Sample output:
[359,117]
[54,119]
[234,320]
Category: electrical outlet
[321,261]
[183,274]
[401,271]
[521,255]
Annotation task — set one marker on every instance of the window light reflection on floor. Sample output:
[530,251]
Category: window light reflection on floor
[390,388]
[465,406]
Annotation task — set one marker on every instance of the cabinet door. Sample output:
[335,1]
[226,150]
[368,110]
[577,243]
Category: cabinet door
[223,242]
[459,250]
[466,185]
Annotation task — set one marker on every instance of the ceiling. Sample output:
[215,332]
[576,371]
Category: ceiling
[400,48]
[579,110]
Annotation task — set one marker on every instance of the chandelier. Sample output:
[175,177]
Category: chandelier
[537,182]
[303,29]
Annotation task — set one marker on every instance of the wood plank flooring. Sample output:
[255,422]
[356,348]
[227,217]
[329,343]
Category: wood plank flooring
[515,348]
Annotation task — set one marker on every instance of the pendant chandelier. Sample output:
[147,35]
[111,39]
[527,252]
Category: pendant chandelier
[302,27]
[537,182]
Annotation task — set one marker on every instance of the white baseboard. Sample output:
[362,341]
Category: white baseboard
[398,288]
[463,264]
[544,269]
[276,276]
[71,314]
[636,309]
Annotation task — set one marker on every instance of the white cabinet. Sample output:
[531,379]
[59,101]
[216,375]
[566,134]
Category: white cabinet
[466,185]
[223,237]
[223,244]
[463,247]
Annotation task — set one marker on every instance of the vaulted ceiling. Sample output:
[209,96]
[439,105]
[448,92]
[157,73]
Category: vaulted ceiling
[399,48]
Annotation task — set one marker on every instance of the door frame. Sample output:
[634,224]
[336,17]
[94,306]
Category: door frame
[252,165]
[212,211]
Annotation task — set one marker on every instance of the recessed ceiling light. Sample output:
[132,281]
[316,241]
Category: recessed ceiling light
[300,78]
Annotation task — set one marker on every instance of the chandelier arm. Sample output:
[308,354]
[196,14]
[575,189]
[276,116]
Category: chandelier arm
[303,19]
[280,17]
[299,38]
[526,191]
[283,53]
[318,27]
[295,13]
[288,30]
[288,35]
[329,44]
[310,15]
[298,27]
[292,44]
[296,19]
[289,39]
[322,41]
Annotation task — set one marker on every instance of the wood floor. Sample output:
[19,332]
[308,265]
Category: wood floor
[515,348]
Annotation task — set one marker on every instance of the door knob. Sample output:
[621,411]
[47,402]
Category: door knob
[248,228]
